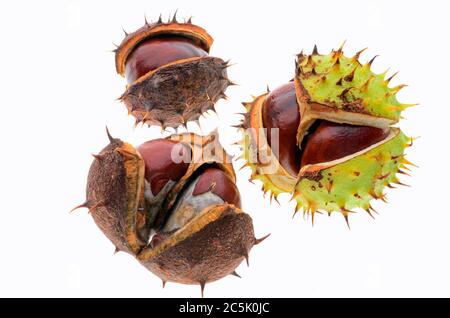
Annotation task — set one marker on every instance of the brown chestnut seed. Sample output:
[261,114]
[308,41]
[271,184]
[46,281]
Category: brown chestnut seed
[160,163]
[331,141]
[280,110]
[218,182]
[155,52]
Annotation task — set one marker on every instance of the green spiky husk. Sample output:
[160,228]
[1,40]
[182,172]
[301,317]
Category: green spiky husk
[353,183]
[344,83]
[339,89]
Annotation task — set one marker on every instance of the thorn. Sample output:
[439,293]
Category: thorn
[97,205]
[400,183]
[407,162]
[267,88]
[315,51]
[390,78]
[223,95]
[126,33]
[235,274]
[190,20]
[349,77]
[337,63]
[111,139]
[409,105]
[365,86]
[384,176]
[257,241]
[174,19]
[356,56]
[341,47]
[136,123]
[373,59]
[98,157]
[85,204]
[116,250]
[403,166]
[403,172]
[397,88]
[202,287]
[164,283]
[339,82]
[371,215]
[372,209]
[346,221]
[159,19]
[145,20]
[276,200]
[245,254]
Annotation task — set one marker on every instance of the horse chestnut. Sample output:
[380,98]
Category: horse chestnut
[334,147]
[171,78]
[173,204]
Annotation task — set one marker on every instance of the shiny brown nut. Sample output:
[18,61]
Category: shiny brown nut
[331,141]
[280,111]
[159,51]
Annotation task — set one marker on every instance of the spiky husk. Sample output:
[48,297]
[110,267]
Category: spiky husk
[180,91]
[339,89]
[115,194]
[209,248]
[350,183]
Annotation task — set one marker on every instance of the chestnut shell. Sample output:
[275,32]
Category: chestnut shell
[110,190]
[209,254]
[176,93]
[179,91]
[207,248]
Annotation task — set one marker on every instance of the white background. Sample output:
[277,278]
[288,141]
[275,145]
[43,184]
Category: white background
[58,91]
